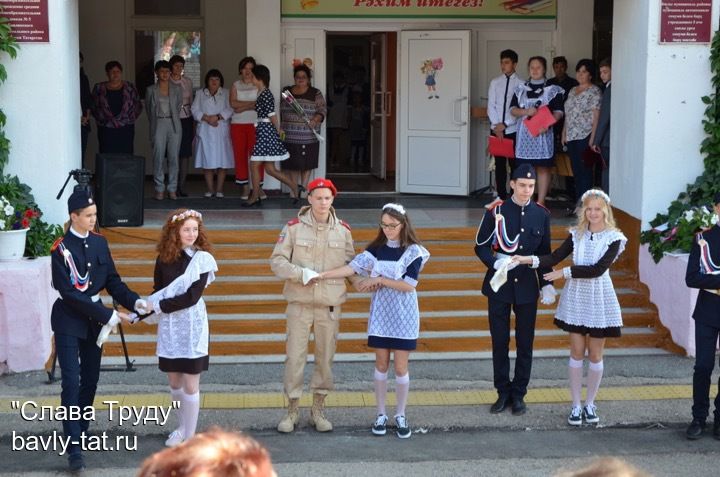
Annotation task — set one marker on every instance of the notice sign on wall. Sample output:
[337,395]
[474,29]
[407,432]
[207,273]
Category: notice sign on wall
[685,21]
[408,9]
[28,20]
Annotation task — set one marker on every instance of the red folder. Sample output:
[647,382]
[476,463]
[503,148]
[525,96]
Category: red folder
[542,119]
[591,158]
[501,147]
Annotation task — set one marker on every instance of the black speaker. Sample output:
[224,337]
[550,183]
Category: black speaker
[120,190]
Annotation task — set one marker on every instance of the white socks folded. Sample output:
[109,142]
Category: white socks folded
[188,411]
[380,381]
[594,376]
[402,389]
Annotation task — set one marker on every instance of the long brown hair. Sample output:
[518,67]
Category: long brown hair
[407,233]
[169,247]
[213,453]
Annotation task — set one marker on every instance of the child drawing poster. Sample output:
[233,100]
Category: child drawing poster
[429,70]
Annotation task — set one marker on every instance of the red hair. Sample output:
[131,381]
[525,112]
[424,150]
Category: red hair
[170,247]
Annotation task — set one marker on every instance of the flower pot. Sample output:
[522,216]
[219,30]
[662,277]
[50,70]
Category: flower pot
[12,244]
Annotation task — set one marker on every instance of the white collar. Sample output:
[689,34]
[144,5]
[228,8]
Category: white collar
[512,197]
[393,243]
[190,251]
[77,234]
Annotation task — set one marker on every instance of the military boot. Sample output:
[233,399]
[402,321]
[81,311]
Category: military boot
[317,414]
[290,420]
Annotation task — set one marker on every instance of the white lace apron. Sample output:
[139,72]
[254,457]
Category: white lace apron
[527,146]
[184,333]
[393,314]
[591,302]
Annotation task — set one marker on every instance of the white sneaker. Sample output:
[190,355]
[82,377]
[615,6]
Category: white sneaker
[219,195]
[575,417]
[590,414]
[379,428]
[175,438]
[403,429]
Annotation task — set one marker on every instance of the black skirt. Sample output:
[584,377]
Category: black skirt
[303,157]
[188,135]
[184,365]
[391,343]
[116,140]
[610,332]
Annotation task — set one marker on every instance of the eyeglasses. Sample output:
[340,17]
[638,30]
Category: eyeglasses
[389,226]
[301,77]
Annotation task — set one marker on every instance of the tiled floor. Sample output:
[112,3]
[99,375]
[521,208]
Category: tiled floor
[358,209]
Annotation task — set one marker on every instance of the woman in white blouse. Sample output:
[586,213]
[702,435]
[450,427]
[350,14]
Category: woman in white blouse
[213,152]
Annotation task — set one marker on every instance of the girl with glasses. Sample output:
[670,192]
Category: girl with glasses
[392,262]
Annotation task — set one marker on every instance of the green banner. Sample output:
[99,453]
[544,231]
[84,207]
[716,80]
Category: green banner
[506,9]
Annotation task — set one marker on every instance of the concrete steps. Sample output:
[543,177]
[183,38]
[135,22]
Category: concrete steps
[246,307]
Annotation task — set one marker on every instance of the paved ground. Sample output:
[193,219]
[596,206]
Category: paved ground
[644,406]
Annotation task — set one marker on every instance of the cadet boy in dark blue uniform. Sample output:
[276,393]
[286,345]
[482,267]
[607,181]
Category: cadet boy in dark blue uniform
[703,272]
[517,226]
[81,268]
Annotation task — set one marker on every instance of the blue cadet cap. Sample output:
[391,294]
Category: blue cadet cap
[717,198]
[524,171]
[79,199]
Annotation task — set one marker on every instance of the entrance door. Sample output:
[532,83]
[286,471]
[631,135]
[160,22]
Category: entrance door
[435,79]
[379,105]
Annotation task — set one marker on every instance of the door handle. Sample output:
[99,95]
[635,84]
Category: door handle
[458,114]
[388,104]
[379,99]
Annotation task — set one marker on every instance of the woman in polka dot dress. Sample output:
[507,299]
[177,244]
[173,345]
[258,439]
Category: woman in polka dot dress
[268,147]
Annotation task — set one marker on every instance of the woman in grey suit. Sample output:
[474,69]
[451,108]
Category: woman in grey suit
[163,103]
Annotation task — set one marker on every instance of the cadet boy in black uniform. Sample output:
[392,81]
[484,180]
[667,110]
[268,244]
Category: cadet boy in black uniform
[703,272]
[81,268]
[517,226]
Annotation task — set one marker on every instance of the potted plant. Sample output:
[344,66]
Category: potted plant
[22,230]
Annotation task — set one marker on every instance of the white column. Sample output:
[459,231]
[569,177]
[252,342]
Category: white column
[657,112]
[41,99]
[264,43]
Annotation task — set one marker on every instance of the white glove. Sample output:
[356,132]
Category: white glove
[548,295]
[107,328]
[141,307]
[500,262]
[307,275]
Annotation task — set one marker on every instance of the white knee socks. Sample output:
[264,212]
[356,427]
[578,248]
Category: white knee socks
[190,411]
[575,374]
[380,381]
[595,372]
[178,395]
[402,389]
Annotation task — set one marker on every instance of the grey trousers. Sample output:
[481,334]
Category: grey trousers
[166,143]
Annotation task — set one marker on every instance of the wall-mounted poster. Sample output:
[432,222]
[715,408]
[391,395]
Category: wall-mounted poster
[28,20]
[683,21]
[404,9]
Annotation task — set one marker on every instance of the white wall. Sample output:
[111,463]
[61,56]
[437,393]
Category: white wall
[656,110]
[573,36]
[41,99]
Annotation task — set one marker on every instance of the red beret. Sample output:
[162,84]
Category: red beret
[320,183]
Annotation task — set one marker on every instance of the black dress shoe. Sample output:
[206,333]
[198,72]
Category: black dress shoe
[500,405]
[76,463]
[716,430]
[256,203]
[181,193]
[518,407]
[695,429]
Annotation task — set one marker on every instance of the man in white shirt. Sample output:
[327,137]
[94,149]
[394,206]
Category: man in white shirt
[502,123]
